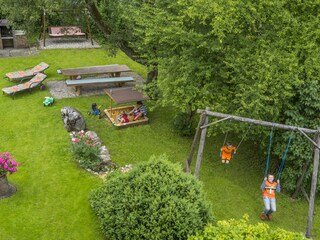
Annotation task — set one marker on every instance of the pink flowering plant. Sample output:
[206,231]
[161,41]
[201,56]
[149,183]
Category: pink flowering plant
[85,150]
[7,163]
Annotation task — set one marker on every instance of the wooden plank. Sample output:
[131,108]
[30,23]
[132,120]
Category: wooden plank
[104,69]
[257,122]
[111,115]
[313,187]
[98,81]
[201,145]
[194,144]
[125,95]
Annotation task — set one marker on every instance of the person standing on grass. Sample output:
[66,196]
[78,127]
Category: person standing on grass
[226,152]
[269,188]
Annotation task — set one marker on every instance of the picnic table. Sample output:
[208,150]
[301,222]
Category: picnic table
[77,84]
[115,71]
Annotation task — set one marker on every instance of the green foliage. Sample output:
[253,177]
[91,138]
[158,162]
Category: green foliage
[153,201]
[241,229]
[248,58]
[85,150]
[183,124]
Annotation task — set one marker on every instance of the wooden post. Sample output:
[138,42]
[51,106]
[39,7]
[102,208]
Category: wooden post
[194,143]
[44,28]
[201,145]
[88,26]
[313,186]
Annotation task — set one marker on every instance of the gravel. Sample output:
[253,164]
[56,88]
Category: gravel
[62,43]
[59,89]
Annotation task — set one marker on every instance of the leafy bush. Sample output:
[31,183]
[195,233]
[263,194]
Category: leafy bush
[85,150]
[184,124]
[240,229]
[155,200]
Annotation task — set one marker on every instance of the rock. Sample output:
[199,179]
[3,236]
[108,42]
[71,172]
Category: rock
[72,119]
[104,150]
[93,136]
[105,158]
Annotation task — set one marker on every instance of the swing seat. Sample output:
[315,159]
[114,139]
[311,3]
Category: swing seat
[64,31]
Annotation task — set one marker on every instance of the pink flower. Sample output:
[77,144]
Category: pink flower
[14,163]
[5,166]
[75,140]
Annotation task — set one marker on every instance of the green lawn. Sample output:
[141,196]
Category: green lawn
[52,198]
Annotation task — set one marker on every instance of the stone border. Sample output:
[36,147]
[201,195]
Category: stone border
[104,153]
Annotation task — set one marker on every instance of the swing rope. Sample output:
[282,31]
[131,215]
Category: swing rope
[269,152]
[284,157]
[225,139]
[244,136]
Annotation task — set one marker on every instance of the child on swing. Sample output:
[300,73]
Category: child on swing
[269,188]
[226,152]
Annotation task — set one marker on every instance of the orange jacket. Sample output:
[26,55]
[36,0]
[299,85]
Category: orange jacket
[269,189]
[226,154]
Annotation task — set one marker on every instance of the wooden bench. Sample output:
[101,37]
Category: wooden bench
[77,84]
[64,31]
[115,70]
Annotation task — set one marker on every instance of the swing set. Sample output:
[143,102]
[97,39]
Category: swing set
[66,30]
[202,131]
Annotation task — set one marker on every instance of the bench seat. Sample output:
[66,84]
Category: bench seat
[77,84]
[65,31]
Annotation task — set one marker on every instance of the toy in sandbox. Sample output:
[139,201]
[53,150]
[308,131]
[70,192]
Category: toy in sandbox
[48,101]
[126,116]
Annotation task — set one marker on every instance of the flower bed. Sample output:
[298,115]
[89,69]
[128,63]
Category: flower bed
[91,153]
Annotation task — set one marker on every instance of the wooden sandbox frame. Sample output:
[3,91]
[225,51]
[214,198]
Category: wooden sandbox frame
[124,95]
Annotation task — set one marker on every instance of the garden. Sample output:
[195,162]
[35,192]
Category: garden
[253,65]
[52,201]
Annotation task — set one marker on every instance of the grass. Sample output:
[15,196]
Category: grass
[51,202]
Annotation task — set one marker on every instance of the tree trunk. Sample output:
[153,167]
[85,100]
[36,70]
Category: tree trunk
[6,190]
[300,180]
[97,18]
[153,73]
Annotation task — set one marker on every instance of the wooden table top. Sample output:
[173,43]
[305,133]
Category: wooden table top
[95,70]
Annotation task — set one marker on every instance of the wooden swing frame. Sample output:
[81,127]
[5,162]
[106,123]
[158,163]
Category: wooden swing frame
[44,24]
[202,128]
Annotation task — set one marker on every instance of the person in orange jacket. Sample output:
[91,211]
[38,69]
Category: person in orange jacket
[226,152]
[269,188]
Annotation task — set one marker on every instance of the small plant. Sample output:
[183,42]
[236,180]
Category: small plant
[85,150]
[7,164]
[241,229]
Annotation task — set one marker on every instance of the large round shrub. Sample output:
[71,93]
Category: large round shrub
[155,200]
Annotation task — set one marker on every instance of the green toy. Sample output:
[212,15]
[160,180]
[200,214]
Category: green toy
[48,101]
